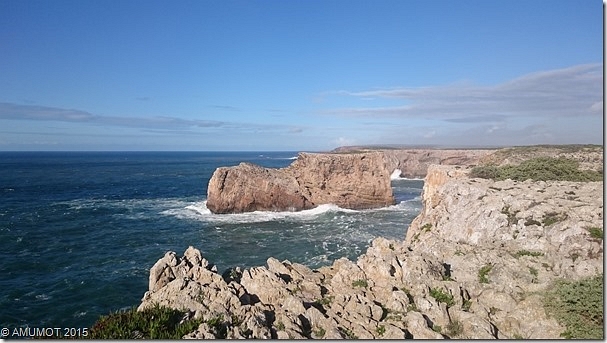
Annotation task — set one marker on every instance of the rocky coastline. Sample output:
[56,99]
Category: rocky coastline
[353,180]
[475,263]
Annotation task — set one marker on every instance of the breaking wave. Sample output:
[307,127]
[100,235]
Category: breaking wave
[199,211]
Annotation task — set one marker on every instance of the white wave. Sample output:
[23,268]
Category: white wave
[396,174]
[283,158]
[42,297]
[199,211]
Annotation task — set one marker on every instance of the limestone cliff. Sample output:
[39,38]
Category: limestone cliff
[355,181]
[414,163]
[474,265]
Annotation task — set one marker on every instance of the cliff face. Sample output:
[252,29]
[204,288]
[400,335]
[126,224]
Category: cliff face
[414,163]
[249,187]
[355,181]
[474,264]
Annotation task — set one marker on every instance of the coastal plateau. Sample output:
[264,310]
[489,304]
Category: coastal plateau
[475,263]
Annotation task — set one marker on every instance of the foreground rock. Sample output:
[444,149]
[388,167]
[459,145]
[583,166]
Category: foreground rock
[355,181]
[474,265]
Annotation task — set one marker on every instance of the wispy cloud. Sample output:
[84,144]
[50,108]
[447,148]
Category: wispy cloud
[31,112]
[225,107]
[573,91]
[158,124]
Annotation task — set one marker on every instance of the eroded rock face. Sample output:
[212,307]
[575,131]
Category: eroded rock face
[524,235]
[355,181]
[414,163]
[248,187]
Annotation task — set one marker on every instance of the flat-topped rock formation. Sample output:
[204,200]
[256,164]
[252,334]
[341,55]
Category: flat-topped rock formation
[475,264]
[355,181]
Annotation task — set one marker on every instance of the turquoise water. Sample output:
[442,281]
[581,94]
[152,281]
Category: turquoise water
[80,231]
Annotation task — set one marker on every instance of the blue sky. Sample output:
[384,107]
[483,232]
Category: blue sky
[298,75]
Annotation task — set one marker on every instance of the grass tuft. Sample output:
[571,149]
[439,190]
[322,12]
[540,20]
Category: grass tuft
[483,273]
[360,283]
[595,232]
[528,253]
[442,297]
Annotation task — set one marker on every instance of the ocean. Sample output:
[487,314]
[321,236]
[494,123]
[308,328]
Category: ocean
[79,231]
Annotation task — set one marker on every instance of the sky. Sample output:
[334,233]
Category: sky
[309,75]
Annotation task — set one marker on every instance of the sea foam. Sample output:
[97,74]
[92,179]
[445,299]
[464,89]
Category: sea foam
[199,211]
[395,174]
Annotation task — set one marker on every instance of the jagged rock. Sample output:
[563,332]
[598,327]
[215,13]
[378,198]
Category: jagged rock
[474,265]
[355,181]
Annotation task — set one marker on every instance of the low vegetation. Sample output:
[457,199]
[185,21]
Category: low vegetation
[538,169]
[578,305]
[529,253]
[360,283]
[483,273]
[595,232]
[553,218]
[157,322]
[455,328]
[442,297]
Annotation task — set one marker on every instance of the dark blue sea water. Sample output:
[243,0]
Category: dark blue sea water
[79,231]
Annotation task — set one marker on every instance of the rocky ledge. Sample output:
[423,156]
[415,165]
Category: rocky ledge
[475,264]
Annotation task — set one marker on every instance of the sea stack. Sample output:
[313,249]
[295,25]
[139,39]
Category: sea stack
[353,181]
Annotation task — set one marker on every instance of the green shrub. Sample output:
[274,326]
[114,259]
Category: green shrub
[157,322]
[381,330]
[455,328]
[528,253]
[466,305]
[325,301]
[320,332]
[442,297]
[485,172]
[531,221]
[360,283]
[534,273]
[483,272]
[578,305]
[595,232]
[538,169]
[347,333]
[553,217]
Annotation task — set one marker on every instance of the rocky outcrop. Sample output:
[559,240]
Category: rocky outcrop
[414,163]
[474,264]
[355,181]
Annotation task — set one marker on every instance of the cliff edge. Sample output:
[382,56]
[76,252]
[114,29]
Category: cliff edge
[476,263]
